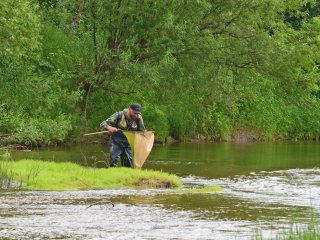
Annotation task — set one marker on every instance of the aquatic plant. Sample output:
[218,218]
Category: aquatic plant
[311,232]
[298,232]
[6,173]
[207,189]
[40,175]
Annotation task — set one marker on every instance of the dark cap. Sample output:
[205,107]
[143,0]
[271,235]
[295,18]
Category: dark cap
[136,107]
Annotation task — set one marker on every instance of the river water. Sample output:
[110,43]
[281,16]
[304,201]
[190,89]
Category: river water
[268,188]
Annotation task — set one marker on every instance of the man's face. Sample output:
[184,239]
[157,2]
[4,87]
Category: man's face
[132,115]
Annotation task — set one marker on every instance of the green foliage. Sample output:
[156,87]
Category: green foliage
[43,130]
[156,119]
[215,124]
[304,121]
[264,114]
[178,128]
[197,67]
[59,51]
[202,67]
[36,73]
[40,112]
[8,119]
[19,30]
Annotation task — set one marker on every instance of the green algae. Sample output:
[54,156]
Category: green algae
[207,189]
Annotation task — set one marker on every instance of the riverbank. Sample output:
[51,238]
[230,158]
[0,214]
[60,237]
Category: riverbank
[41,175]
[235,137]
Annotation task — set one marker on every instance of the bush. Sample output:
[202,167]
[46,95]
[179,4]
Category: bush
[155,119]
[43,130]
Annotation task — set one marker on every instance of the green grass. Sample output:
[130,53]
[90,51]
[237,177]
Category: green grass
[6,175]
[208,189]
[40,175]
[297,232]
[312,232]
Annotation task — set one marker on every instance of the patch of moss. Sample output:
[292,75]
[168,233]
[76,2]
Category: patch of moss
[40,175]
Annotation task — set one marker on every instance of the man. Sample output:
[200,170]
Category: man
[129,120]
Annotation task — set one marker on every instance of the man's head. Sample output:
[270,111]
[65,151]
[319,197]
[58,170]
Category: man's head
[134,110]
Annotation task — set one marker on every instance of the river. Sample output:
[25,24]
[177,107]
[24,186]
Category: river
[267,188]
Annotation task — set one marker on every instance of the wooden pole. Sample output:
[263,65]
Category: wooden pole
[88,134]
[95,133]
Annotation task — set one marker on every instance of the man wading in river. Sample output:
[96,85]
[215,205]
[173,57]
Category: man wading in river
[129,120]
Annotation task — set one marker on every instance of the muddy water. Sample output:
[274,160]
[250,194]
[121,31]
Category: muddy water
[267,188]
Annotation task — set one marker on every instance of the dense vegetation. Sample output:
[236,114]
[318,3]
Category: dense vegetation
[219,69]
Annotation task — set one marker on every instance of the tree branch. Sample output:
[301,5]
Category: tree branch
[77,17]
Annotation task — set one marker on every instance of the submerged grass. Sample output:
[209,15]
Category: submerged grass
[40,175]
[311,232]
[6,175]
[298,232]
[208,189]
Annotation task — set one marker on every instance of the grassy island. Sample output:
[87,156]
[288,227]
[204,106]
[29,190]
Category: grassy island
[41,175]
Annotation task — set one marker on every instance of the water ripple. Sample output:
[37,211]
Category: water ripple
[296,187]
[258,200]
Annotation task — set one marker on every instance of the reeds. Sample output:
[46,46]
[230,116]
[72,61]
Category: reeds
[6,173]
[311,231]
[297,232]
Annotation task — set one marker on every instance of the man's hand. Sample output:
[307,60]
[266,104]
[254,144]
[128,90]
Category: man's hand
[112,129]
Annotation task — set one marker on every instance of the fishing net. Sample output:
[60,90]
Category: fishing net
[141,144]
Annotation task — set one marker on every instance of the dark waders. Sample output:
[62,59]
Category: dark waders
[120,150]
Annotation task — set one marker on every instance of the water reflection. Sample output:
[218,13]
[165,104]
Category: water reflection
[211,160]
